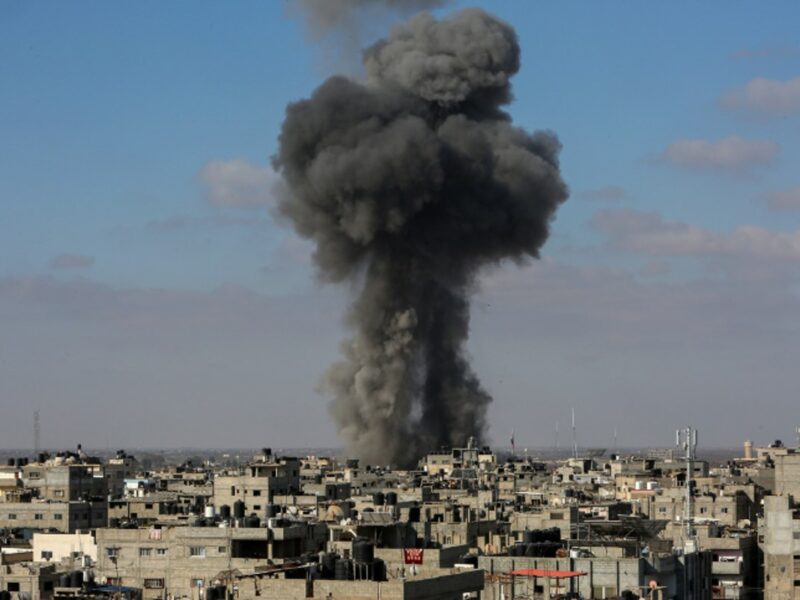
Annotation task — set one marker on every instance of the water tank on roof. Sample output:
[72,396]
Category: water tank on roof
[76,579]
[329,564]
[378,570]
[528,537]
[208,513]
[272,511]
[378,499]
[63,580]
[391,499]
[225,511]
[252,521]
[238,509]
[342,569]
[363,551]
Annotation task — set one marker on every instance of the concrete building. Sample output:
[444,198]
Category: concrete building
[787,474]
[58,547]
[678,577]
[456,585]
[258,483]
[64,517]
[27,580]
[181,560]
[781,548]
[62,482]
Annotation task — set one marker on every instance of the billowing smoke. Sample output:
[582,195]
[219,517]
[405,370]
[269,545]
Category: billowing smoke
[408,185]
[325,15]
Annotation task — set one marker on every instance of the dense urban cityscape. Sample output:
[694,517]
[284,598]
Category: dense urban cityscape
[277,279]
[465,523]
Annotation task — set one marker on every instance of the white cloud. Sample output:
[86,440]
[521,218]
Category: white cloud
[238,183]
[608,193]
[763,95]
[650,234]
[784,199]
[732,154]
[71,261]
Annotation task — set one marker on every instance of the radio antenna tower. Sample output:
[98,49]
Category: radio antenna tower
[574,437]
[687,439]
[556,435]
[37,433]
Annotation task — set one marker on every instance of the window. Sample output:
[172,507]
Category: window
[58,493]
[46,555]
[161,551]
[257,507]
[13,586]
[34,475]
[795,535]
[233,490]
[724,510]
[145,551]
[38,516]
[153,583]
[222,549]
[256,492]
[199,551]
[196,582]
[112,552]
[703,510]
[148,505]
[12,517]
[58,516]
[662,509]
[556,516]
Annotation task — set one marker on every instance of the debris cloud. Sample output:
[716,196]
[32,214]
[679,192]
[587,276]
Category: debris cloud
[409,184]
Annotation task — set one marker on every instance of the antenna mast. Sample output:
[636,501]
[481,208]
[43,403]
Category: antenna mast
[37,433]
[574,437]
[687,439]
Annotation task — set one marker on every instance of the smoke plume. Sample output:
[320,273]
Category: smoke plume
[322,16]
[408,185]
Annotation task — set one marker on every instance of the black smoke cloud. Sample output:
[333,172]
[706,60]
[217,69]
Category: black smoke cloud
[409,185]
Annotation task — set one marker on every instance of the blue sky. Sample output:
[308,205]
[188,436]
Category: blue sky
[133,133]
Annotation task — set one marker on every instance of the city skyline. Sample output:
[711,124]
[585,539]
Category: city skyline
[148,295]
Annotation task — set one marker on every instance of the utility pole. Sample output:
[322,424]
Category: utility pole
[687,439]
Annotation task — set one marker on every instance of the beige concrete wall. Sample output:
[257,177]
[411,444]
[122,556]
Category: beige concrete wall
[64,545]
